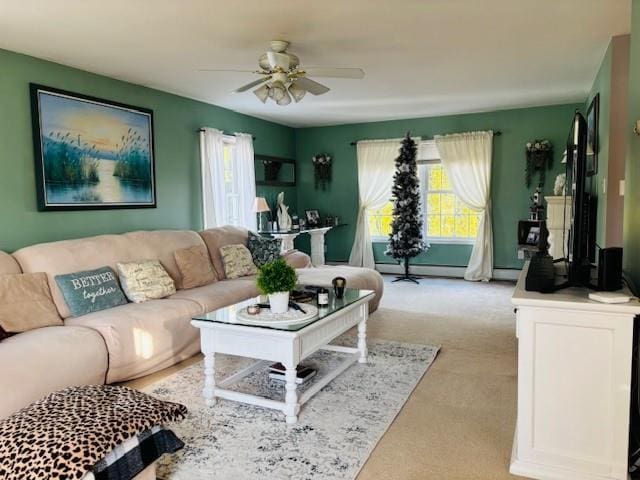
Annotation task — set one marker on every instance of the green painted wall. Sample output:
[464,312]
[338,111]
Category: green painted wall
[176,120]
[632,175]
[509,195]
[602,85]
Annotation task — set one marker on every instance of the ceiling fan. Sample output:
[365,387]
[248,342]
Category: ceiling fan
[282,78]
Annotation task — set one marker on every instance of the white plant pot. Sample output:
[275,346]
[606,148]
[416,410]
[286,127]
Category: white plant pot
[279,302]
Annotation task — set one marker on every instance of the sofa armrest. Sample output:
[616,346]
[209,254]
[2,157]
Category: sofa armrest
[297,259]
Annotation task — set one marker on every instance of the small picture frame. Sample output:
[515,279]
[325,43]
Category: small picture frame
[533,236]
[313,218]
[593,113]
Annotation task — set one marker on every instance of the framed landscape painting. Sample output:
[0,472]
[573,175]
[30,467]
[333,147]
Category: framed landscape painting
[91,153]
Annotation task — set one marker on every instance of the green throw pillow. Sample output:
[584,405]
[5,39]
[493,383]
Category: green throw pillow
[91,290]
[263,250]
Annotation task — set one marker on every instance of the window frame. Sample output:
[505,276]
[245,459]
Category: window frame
[429,148]
[230,142]
[378,238]
[437,240]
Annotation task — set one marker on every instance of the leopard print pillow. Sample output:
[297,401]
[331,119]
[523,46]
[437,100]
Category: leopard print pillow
[63,435]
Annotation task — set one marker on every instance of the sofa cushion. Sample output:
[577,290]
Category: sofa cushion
[25,303]
[91,290]
[220,294]
[143,281]
[8,264]
[144,337]
[263,250]
[37,362]
[195,267]
[161,245]
[364,278]
[69,256]
[215,238]
[237,261]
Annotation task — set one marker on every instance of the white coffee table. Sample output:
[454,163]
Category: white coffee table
[221,331]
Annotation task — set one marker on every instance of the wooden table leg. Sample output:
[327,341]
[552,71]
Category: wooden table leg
[291,397]
[209,378]
[362,337]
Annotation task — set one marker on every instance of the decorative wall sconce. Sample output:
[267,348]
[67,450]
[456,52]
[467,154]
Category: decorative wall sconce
[322,169]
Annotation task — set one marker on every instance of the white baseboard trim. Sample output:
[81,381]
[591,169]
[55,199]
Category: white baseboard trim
[440,271]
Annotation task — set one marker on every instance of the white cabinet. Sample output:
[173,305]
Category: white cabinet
[574,381]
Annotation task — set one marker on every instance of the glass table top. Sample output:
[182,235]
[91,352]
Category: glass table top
[230,314]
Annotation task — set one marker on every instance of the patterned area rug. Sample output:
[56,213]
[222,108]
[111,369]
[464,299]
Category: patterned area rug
[336,431]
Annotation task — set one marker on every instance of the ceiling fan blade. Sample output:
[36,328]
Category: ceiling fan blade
[255,83]
[279,60]
[224,70]
[311,86]
[329,72]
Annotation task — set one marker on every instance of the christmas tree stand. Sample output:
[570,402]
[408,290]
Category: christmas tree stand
[406,277]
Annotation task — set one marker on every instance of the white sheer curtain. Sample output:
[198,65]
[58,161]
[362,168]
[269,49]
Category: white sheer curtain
[245,177]
[212,172]
[375,177]
[231,201]
[466,157]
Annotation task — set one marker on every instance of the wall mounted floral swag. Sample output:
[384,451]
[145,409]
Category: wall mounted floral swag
[322,169]
[539,159]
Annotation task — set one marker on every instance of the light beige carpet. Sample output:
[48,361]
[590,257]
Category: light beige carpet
[459,422]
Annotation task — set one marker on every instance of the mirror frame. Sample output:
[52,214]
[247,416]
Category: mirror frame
[277,183]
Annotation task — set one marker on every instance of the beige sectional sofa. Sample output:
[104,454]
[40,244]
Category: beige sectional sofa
[132,340]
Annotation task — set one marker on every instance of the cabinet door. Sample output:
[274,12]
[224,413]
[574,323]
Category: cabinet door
[574,372]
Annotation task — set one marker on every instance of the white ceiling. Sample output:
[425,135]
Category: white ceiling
[421,57]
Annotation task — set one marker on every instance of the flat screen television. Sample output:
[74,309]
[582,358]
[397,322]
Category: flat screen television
[582,241]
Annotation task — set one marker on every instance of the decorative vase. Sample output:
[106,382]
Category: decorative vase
[279,302]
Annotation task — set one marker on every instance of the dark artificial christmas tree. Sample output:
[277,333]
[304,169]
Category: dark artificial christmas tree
[405,240]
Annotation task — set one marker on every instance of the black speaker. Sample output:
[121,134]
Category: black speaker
[610,269]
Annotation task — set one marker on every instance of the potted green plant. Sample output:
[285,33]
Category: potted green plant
[276,279]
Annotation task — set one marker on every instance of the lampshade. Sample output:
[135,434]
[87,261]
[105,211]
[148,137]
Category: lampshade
[297,92]
[260,205]
[262,93]
[285,100]
[277,91]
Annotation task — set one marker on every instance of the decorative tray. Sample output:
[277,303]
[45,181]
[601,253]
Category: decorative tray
[292,317]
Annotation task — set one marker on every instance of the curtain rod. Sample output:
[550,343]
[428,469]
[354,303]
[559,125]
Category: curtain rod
[224,133]
[497,133]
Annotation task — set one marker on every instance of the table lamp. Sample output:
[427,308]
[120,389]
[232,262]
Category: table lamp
[260,206]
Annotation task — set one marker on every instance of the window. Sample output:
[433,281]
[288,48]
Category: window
[228,179]
[232,196]
[448,219]
[380,221]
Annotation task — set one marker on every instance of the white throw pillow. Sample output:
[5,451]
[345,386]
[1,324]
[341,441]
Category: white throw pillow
[142,281]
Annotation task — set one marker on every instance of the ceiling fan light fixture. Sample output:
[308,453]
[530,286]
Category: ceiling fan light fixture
[262,93]
[297,92]
[277,91]
[285,100]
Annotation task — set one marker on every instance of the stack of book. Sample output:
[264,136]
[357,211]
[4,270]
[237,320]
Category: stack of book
[276,372]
